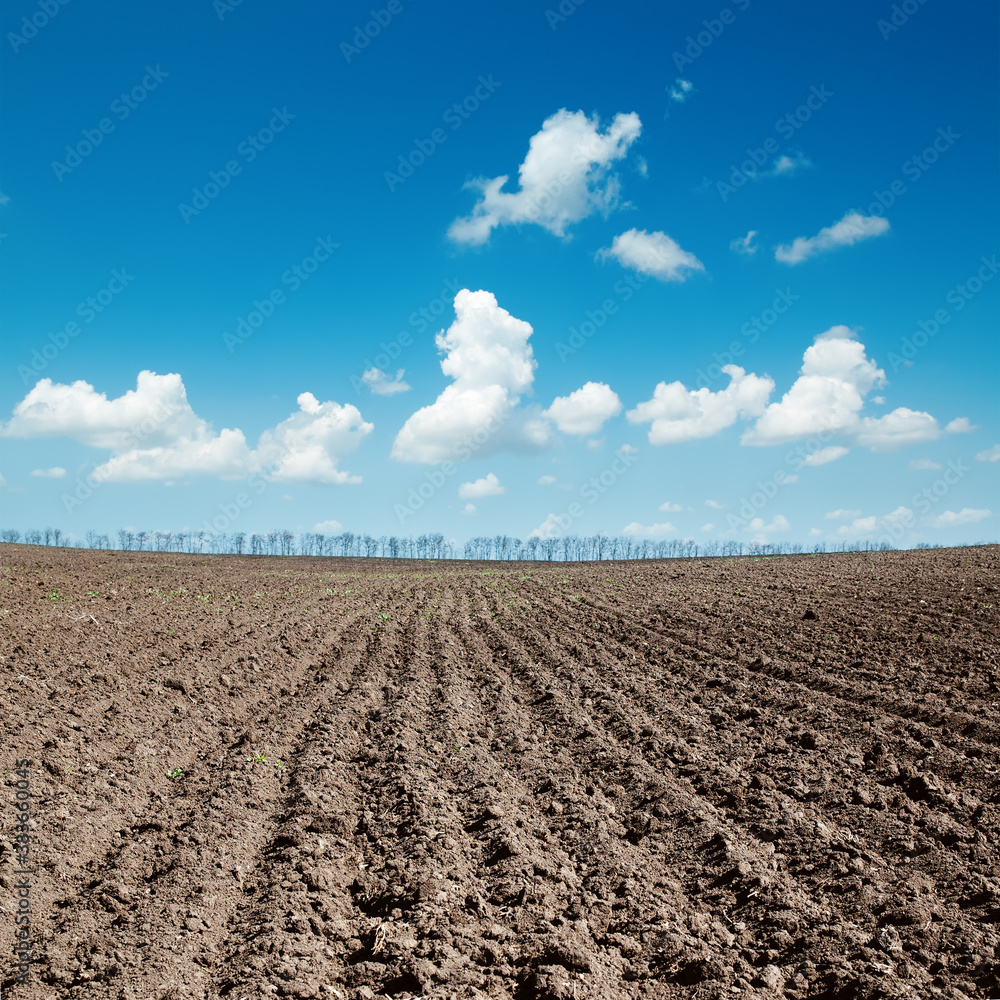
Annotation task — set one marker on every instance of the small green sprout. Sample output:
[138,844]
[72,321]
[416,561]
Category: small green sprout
[175,773]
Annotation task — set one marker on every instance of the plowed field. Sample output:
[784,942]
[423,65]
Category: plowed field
[754,778]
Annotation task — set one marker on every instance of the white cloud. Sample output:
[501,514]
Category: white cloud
[864,527]
[815,532]
[565,177]
[715,505]
[551,527]
[380,383]
[488,486]
[786,165]
[825,455]
[469,508]
[834,379]
[488,355]
[778,524]
[859,526]
[851,229]
[745,245]
[586,410]
[327,527]
[629,449]
[901,427]
[841,515]
[154,434]
[546,480]
[648,530]
[670,508]
[960,425]
[967,515]
[655,254]
[920,464]
[989,455]
[678,414]
[56,472]
[708,527]
[681,90]
[596,444]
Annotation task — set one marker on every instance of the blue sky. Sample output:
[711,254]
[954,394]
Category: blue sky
[808,194]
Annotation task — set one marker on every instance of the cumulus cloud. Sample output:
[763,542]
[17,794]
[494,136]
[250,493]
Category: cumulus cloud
[546,480]
[745,244]
[565,177]
[763,529]
[925,464]
[552,527]
[655,254]
[960,425]
[629,449]
[670,508]
[154,434]
[488,486]
[715,505]
[488,356]
[380,383]
[989,455]
[865,527]
[328,527]
[967,515]
[825,455]
[586,410]
[638,530]
[56,472]
[852,228]
[469,508]
[678,414]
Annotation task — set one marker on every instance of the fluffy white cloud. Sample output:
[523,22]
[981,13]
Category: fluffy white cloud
[546,480]
[825,455]
[960,425]
[922,464]
[584,411]
[967,515]
[670,508]
[745,244]
[841,514]
[469,508]
[989,455]
[328,527]
[678,414]
[488,486]
[56,472]
[865,527]
[552,527]
[648,530]
[895,430]
[715,505]
[852,228]
[565,177]
[763,530]
[488,355]
[629,449]
[655,254]
[381,384]
[155,435]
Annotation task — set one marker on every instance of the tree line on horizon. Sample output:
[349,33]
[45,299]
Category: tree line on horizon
[565,548]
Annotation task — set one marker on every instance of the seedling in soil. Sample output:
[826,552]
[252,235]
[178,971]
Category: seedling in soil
[257,758]
[175,773]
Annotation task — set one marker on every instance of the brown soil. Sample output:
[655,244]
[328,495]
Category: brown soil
[731,778]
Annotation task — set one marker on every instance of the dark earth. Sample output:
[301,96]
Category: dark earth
[725,778]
